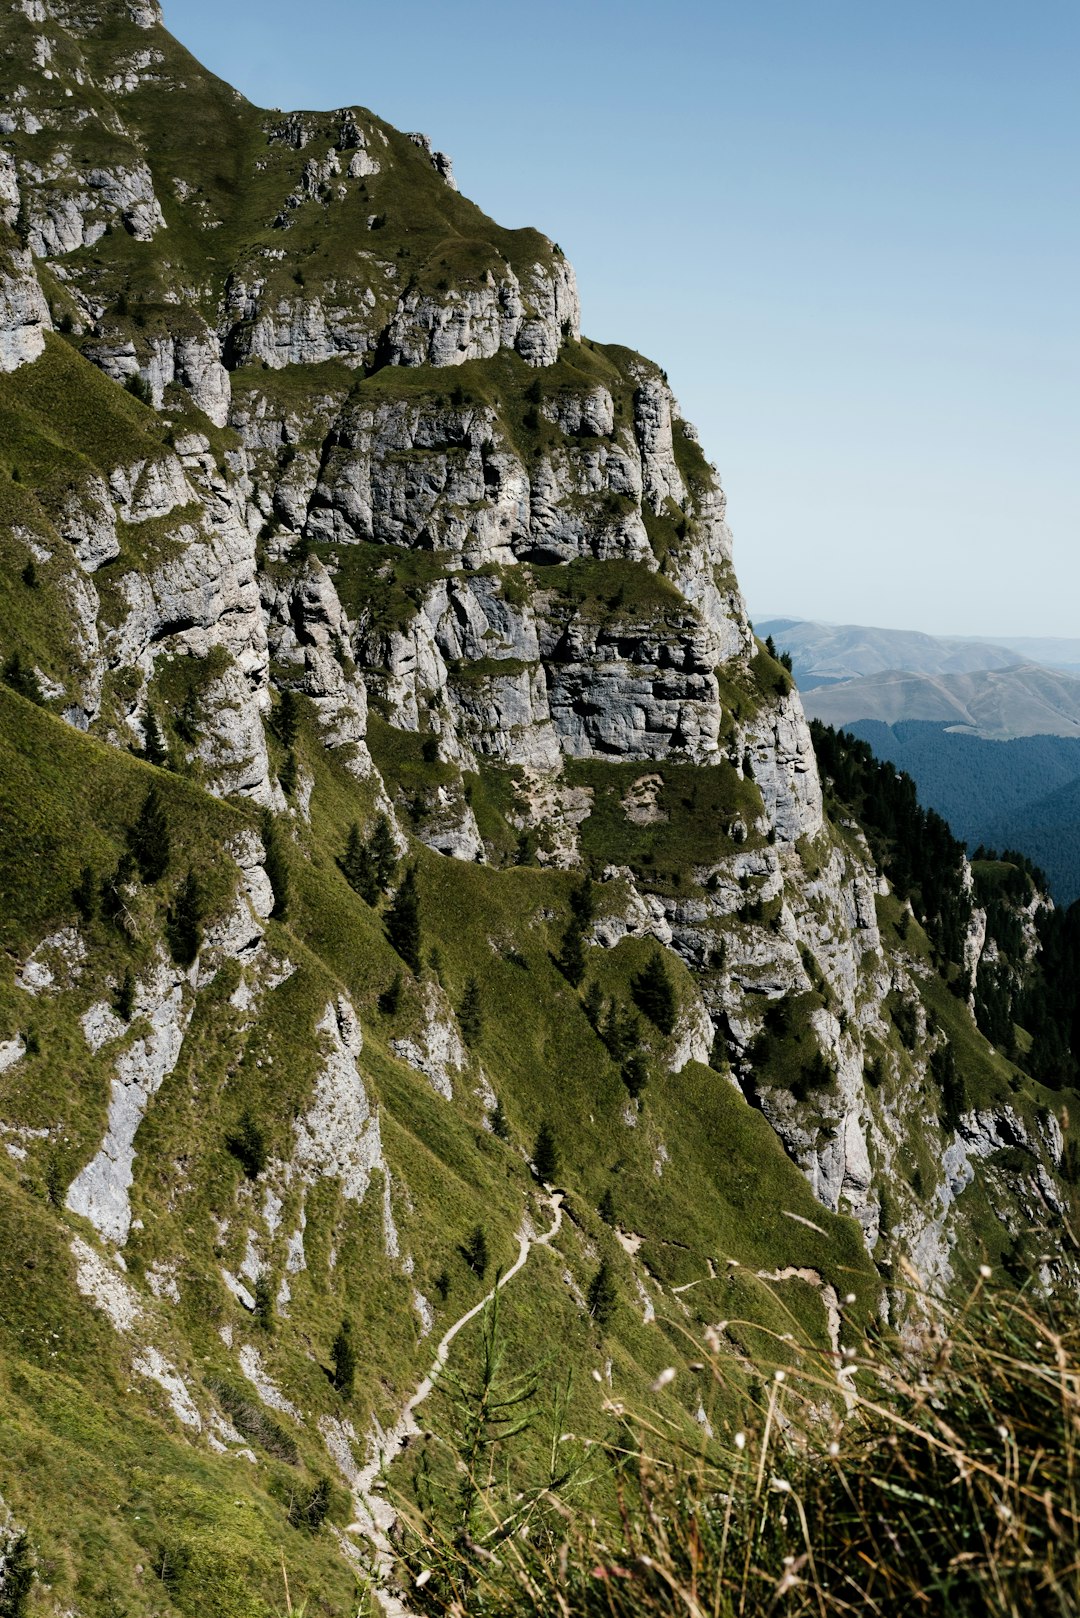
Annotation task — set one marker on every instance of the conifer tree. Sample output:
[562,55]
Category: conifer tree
[185,921]
[635,1073]
[403,921]
[148,839]
[581,903]
[154,749]
[500,1126]
[593,1003]
[125,996]
[474,1250]
[113,902]
[545,1154]
[470,1013]
[287,719]
[288,773]
[353,856]
[276,866]
[382,853]
[85,894]
[606,1207]
[186,722]
[602,1296]
[571,957]
[620,1031]
[264,1300]
[654,993]
[357,868]
[17,1578]
[343,1359]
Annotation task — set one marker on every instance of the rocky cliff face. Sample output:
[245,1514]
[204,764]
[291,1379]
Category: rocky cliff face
[318,502]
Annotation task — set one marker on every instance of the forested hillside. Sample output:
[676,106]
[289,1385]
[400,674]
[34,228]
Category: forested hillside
[1022,794]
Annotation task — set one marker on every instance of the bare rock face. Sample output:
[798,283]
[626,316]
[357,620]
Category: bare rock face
[24,314]
[73,208]
[533,315]
[785,769]
[190,360]
[101,1190]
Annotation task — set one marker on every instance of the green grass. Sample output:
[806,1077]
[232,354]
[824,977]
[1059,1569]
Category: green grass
[700,805]
[610,592]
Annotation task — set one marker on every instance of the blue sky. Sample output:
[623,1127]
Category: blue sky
[849,230]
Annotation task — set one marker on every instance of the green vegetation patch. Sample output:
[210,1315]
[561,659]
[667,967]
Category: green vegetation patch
[695,807]
[613,591]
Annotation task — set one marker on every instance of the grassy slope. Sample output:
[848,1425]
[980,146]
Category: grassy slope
[722,1193]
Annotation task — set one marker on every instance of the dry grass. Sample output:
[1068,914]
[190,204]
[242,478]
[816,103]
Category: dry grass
[943,1482]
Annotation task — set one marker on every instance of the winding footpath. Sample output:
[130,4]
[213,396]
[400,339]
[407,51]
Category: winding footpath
[375,1517]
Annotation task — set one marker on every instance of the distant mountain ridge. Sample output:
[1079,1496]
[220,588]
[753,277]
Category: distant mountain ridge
[1052,651]
[996,704]
[850,672]
[825,653]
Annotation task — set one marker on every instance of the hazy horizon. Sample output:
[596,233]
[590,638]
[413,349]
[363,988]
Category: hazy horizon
[849,233]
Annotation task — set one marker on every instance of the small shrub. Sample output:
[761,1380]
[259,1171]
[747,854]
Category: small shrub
[309,1509]
[139,388]
[22,680]
[255,1422]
